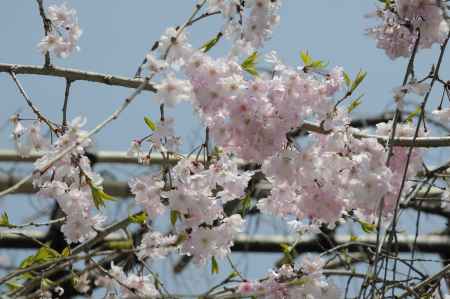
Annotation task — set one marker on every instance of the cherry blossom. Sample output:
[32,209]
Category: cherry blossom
[400,23]
[129,284]
[172,90]
[442,115]
[70,181]
[417,88]
[65,32]
[147,193]
[156,246]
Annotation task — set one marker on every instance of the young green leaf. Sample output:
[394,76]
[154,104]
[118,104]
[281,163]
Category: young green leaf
[12,285]
[347,79]
[174,216]
[249,64]
[140,218]
[47,283]
[4,220]
[413,114]
[181,238]
[150,123]
[44,254]
[354,104]
[211,43]
[318,64]
[306,58]
[287,250]
[359,78]
[246,203]
[99,196]
[66,252]
[367,227]
[214,266]
[309,62]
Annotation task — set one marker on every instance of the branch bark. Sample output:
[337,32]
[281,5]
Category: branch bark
[76,75]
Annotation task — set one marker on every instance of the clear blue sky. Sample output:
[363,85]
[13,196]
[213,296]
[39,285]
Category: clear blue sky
[117,34]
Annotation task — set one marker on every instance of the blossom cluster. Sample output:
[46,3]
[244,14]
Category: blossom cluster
[287,282]
[305,184]
[128,285]
[251,117]
[402,20]
[27,139]
[64,34]
[197,197]
[247,23]
[162,139]
[70,181]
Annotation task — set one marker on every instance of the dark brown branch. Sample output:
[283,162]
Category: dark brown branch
[66,100]
[430,243]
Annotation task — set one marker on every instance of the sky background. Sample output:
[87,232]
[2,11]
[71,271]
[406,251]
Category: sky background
[117,35]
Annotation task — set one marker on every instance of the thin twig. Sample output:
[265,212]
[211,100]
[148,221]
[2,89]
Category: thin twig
[47,28]
[66,100]
[35,110]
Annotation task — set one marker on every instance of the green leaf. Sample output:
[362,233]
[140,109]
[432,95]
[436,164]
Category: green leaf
[99,196]
[44,254]
[181,238]
[28,261]
[287,250]
[246,204]
[249,64]
[140,218]
[309,62]
[214,266]
[66,252]
[211,43]
[4,220]
[354,104]
[46,283]
[318,64]
[174,216]
[150,123]
[359,78]
[12,286]
[306,58]
[75,280]
[367,227]
[413,114]
[387,3]
[353,238]
[232,275]
[347,79]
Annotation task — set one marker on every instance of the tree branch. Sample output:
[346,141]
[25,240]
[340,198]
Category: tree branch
[76,75]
